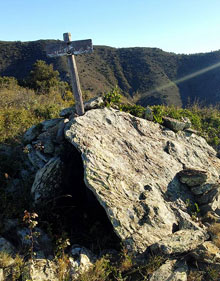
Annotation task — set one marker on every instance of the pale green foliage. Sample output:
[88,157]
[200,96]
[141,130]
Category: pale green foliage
[193,209]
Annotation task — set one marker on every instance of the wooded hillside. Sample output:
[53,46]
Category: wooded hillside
[145,75]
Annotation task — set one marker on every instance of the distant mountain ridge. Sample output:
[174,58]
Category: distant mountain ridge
[144,75]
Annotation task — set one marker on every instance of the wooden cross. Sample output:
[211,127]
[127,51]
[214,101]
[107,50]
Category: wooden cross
[70,48]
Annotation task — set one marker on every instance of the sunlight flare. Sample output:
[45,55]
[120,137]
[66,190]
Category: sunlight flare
[185,78]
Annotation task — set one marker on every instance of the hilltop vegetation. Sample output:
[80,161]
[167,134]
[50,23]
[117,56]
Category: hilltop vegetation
[146,76]
[41,92]
[22,107]
[45,94]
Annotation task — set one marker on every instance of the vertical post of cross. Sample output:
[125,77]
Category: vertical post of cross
[74,78]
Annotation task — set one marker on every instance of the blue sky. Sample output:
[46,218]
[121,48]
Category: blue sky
[180,26]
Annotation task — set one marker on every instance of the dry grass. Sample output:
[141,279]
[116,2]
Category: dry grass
[63,268]
[21,108]
[99,272]
[5,259]
[195,275]
[215,233]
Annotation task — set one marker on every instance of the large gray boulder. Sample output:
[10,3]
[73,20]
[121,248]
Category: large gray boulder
[131,166]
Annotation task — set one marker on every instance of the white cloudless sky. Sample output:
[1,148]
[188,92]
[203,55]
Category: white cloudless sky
[179,26]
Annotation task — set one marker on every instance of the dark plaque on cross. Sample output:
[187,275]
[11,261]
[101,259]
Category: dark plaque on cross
[70,48]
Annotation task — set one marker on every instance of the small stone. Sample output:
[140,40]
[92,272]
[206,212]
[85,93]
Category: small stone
[48,124]
[60,131]
[172,270]
[208,197]
[47,180]
[193,177]
[33,158]
[191,131]
[32,133]
[164,271]
[203,188]
[174,124]
[66,112]
[180,242]
[206,252]
[40,270]
[93,103]
[42,156]
[213,207]
[48,146]
[210,201]
[148,115]
[81,260]
[187,122]
[42,245]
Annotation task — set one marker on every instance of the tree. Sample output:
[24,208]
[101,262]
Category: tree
[43,78]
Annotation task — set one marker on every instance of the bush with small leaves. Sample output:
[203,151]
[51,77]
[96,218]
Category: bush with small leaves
[113,97]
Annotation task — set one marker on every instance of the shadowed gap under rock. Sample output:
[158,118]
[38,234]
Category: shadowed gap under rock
[80,213]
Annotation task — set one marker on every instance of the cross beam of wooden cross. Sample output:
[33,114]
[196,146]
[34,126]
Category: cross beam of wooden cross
[70,48]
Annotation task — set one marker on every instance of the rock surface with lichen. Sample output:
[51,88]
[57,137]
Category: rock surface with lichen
[131,166]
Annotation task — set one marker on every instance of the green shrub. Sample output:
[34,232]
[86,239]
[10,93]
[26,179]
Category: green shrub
[136,110]
[14,122]
[205,120]
[20,108]
[43,78]
[47,111]
[113,97]
[158,113]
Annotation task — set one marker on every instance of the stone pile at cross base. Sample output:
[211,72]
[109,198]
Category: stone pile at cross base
[150,180]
